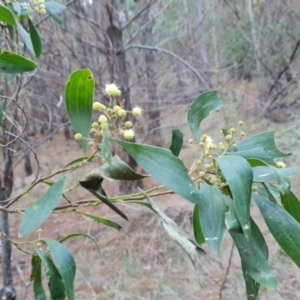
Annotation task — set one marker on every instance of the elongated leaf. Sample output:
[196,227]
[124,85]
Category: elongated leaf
[7,16]
[253,261]
[35,39]
[25,37]
[36,277]
[54,9]
[65,265]
[266,174]
[283,181]
[174,231]
[202,106]
[239,177]
[177,142]
[261,146]
[118,170]
[105,222]
[92,182]
[55,284]
[212,215]
[79,95]
[284,228]
[265,191]
[291,204]
[37,213]
[198,234]
[17,7]
[75,235]
[252,286]
[163,166]
[77,160]
[105,146]
[14,63]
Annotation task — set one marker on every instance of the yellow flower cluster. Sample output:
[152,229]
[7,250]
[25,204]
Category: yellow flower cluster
[38,6]
[111,118]
[205,167]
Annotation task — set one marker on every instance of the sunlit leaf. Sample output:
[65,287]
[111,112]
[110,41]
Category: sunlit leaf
[284,228]
[37,213]
[202,106]
[65,264]
[55,283]
[177,142]
[7,16]
[239,177]
[79,95]
[212,215]
[35,39]
[14,63]
[36,277]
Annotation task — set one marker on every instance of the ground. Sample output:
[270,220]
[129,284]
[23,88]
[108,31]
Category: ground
[140,261]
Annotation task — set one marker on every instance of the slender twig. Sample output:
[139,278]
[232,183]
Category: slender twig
[227,272]
[184,62]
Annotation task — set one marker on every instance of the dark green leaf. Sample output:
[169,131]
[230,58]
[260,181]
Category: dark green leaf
[25,37]
[266,191]
[163,166]
[174,231]
[37,213]
[92,182]
[177,142]
[36,277]
[105,222]
[119,170]
[284,228]
[55,283]
[261,146]
[7,16]
[254,262]
[291,204]
[252,286]
[14,63]
[74,235]
[65,265]
[239,177]
[202,106]
[105,146]
[79,95]
[198,234]
[212,215]
[35,39]
[143,204]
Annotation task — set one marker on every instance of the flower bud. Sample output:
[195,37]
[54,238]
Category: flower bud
[136,111]
[112,90]
[78,136]
[128,134]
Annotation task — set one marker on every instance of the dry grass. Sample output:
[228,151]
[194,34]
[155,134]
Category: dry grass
[140,261]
